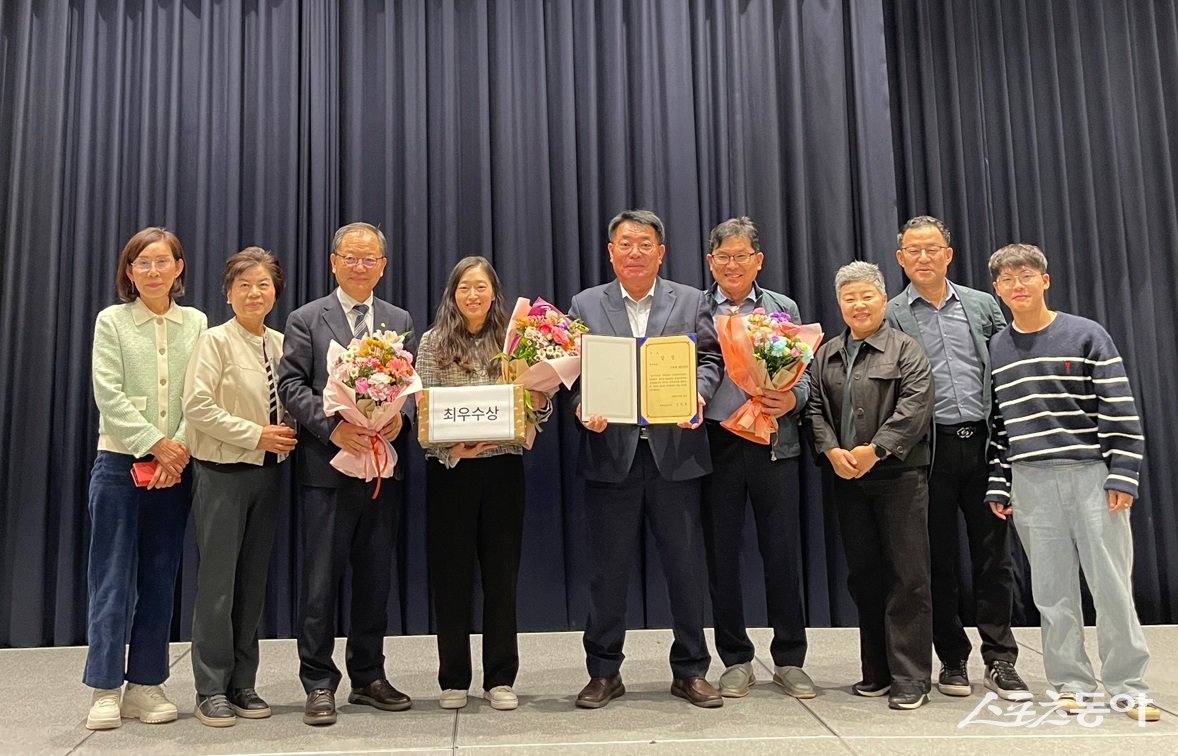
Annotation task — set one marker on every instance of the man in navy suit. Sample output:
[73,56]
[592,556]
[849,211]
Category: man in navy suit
[341,523]
[653,472]
[954,324]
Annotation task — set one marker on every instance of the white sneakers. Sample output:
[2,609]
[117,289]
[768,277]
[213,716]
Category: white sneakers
[452,699]
[501,697]
[148,704]
[104,710]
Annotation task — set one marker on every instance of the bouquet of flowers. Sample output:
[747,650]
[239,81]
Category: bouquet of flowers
[763,352]
[541,351]
[368,383]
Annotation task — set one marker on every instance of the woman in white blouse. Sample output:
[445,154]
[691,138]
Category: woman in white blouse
[238,439]
[138,514]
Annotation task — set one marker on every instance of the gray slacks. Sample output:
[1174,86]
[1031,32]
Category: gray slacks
[236,514]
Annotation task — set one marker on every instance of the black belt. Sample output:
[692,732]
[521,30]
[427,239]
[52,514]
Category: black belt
[963,430]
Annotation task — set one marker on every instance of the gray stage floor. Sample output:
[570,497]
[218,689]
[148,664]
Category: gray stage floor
[46,708]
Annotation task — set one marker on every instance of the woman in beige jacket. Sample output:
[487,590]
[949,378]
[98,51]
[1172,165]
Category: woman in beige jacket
[238,439]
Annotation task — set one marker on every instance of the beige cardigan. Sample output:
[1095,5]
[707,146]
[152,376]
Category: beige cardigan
[226,396]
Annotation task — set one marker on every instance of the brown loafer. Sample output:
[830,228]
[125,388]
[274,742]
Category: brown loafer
[382,695]
[697,691]
[600,691]
[320,707]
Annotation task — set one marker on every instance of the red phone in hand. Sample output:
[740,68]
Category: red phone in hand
[143,472]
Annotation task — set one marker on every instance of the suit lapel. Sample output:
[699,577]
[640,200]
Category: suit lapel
[660,310]
[333,316]
[615,310]
[975,328]
[907,321]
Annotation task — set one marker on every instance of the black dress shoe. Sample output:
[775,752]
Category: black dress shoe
[382,695]
[600,691]
[697,691]
[248,704]
[320,707]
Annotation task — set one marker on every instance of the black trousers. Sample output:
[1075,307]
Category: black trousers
[884,521]
[475,509]
[341,527]
[744,472]
[615,514]
[958,483]
[235,513]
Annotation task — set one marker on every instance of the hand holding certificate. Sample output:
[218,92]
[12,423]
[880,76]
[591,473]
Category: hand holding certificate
[653,384]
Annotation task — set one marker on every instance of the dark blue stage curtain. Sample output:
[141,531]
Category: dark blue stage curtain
[516,129]
[1055,123]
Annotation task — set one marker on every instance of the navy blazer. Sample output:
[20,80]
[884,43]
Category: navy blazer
[677,309]
[302,374]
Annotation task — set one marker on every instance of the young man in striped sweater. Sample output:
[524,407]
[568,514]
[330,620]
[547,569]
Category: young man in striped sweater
[1067,448]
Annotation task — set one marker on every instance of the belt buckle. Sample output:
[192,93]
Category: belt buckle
[965,431]
[644,432]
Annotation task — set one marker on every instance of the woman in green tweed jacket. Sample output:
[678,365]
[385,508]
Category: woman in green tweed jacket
[141,352]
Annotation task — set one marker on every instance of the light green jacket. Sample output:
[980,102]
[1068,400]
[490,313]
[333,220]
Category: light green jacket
[139,363]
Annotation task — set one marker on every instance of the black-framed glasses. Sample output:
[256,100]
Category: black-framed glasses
[352,261]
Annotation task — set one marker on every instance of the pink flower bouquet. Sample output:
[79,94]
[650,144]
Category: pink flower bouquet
[368,383]
[542,350]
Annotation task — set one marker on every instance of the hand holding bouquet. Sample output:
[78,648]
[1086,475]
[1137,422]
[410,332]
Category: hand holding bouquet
[542,350]
[368,383]
[763,352]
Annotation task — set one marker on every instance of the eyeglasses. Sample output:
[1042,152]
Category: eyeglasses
[645,248]
[915,252]
[352,261]
[742,259]
[163,265]
[464,289]
[1026,278]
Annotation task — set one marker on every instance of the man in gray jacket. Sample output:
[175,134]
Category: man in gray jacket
[954,324]
[766,475]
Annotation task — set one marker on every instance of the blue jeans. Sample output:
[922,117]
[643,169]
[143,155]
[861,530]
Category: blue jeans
[136,540]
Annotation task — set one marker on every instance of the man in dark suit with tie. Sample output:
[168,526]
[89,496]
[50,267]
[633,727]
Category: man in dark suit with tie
[652,472]
[341,523]
[954,324]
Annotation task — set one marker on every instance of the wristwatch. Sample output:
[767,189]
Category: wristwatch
[880,452]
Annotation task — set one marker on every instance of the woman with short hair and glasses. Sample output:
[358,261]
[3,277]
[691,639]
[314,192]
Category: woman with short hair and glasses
[141,350]
[235,423]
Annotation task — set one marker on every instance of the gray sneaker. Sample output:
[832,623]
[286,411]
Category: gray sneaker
[795,681]
[737,680]
[215,711]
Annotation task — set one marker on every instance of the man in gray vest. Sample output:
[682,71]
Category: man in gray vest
[954,324]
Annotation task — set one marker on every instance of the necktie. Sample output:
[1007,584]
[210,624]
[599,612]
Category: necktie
[273,386]
[360,329]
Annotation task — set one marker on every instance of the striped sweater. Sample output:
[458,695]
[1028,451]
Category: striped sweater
[1062,394]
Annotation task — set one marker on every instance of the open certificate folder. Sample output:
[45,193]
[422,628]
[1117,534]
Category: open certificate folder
[639,381]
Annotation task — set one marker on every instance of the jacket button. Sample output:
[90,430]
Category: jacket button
[163,381]
[163,413]
[859,412]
